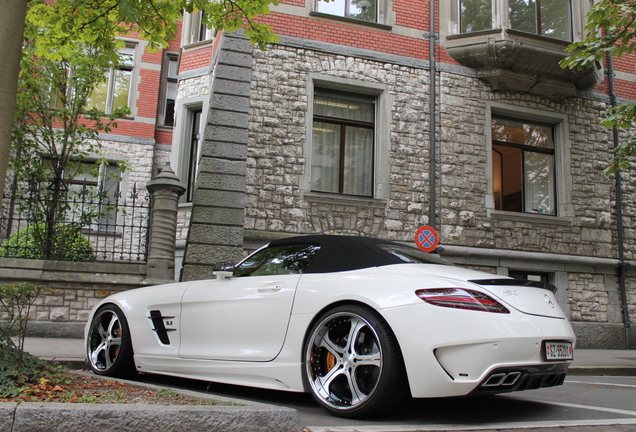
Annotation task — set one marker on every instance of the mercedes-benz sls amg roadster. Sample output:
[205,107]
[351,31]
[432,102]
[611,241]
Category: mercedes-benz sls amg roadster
[359,323]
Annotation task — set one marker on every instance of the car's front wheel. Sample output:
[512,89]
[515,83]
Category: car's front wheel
[353,363]
[108,346]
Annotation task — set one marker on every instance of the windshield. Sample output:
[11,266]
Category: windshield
[412,255]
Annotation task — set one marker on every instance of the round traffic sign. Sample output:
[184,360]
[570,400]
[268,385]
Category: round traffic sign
[427,238]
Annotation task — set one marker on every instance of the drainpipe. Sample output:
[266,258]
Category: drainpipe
[432,36]
[619,213]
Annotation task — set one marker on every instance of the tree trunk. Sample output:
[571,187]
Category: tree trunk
[11,34]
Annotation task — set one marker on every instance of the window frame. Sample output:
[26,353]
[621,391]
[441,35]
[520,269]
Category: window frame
[344,124]
[347,11]
[131,47]
[164,93]
[181,137]
[193,31]
[110,165]
[381,166]
[385,18]
[524,149]
[450,12]
[564,214]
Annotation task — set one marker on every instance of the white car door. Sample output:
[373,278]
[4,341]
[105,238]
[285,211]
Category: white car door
[245,317]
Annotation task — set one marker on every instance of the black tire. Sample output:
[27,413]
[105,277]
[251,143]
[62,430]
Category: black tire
[108,347]
[353,363]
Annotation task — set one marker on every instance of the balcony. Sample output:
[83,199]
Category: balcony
[512,60]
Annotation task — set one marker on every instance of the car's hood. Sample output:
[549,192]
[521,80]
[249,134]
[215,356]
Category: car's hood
[532,298]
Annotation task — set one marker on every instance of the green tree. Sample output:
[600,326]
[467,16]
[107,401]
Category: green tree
[611,30]
[96,22]
[55,130]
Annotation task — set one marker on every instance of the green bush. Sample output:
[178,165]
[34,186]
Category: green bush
[17,368]
[68,244]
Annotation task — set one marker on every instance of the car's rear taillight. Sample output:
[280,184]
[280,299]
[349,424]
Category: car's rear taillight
[461,298]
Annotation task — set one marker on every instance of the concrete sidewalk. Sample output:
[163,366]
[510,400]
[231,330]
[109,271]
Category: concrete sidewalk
[70,352]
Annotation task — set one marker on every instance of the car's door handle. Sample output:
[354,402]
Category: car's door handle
[270,288]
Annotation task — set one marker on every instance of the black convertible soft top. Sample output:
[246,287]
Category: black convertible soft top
[343,253]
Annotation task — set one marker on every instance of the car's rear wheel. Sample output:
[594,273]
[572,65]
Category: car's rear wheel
[353,363]
[109,349]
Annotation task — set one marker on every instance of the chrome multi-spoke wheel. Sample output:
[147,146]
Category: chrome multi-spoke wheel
[352,362]
[109,350]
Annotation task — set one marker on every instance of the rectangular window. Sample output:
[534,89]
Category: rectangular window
[114,91]
[475,15]
[94,194]
[343,143]
[365,10]
[193,151]
[169,76]
[194,30]
[523,167]
[551,18]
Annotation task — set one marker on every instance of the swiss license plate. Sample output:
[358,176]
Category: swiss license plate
[558,351]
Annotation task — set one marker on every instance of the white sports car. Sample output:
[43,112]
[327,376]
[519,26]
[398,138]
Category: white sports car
[358,322]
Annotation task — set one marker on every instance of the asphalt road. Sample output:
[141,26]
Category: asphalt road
[583,403]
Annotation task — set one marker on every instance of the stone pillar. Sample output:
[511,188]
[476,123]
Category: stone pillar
[165,190]
[218,207]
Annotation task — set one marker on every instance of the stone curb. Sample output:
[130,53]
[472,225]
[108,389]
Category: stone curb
[65,417]
[34,416]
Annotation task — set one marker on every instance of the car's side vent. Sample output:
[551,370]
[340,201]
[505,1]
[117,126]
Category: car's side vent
[159,327]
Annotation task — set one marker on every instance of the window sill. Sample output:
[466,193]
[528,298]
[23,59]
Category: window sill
[330,17]
[322,198]
[195,45]
[529,217]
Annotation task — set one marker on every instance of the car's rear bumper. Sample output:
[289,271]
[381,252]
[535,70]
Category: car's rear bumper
[518,378]
[455,352]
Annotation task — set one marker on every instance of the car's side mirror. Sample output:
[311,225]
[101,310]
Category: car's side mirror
[224,269]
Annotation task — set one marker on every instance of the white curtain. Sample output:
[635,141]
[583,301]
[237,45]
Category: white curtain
[539,173]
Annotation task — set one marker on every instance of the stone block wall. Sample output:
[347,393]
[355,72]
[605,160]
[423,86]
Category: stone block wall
[74,288]
[276,201]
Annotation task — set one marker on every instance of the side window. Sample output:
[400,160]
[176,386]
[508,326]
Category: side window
[475,15]
[524,177]
[551,18]
[365,10]
[277,260]
[343,143]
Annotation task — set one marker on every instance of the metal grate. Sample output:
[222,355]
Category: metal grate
[91,226]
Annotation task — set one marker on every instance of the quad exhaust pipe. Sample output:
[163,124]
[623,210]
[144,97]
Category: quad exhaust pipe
[503,379]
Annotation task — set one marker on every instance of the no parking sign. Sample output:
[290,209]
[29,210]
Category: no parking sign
[427,238]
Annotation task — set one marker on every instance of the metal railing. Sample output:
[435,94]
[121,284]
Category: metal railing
[89,227]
